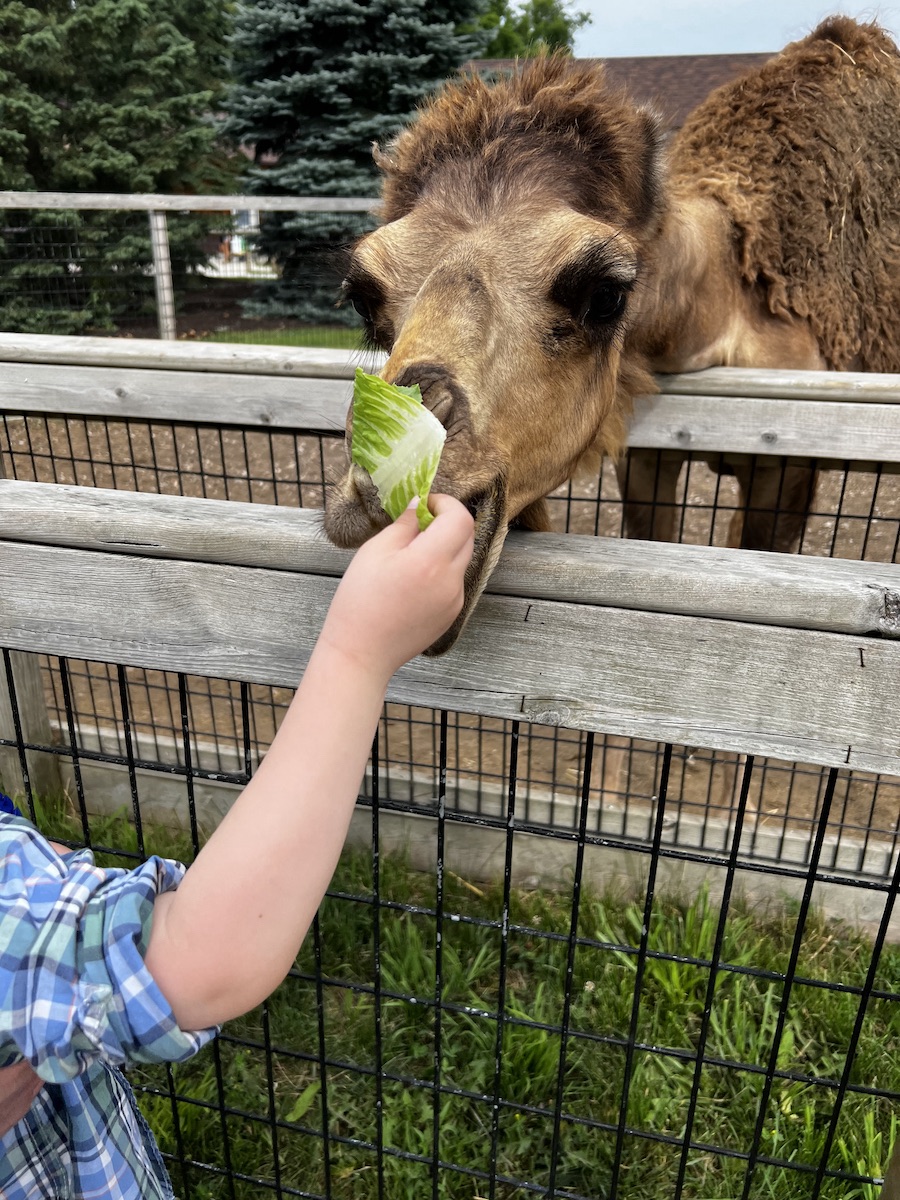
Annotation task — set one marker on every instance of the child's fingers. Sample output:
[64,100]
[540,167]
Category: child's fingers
[439,503]
[402,531]
[452,528]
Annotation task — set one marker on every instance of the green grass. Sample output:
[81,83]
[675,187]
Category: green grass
[330,336]
[744,1015]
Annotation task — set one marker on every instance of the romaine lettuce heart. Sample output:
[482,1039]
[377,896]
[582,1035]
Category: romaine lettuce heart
[398,441]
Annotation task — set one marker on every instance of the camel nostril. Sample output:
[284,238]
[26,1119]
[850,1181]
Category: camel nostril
[441,409]
[475,503]
[441,393]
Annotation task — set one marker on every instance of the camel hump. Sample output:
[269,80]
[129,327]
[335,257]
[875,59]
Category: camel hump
[803,155]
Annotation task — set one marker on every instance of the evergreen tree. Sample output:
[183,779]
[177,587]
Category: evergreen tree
[108,96]
[317,81]
[526,30]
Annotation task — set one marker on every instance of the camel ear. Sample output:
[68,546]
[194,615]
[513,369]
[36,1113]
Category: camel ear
[491,529]
[650,190]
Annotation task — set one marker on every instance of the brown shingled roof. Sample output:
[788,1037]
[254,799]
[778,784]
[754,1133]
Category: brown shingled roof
[674,83]
[677,83]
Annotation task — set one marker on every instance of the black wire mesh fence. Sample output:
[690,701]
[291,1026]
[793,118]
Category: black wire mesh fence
[855,514]
[549,1033]
[235,274]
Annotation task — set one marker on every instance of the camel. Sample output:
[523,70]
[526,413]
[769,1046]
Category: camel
[543,252]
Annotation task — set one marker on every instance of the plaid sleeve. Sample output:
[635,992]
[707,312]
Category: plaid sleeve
[73,984]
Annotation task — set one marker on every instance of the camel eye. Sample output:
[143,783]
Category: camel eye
[367,299]
[592,294]
[363,294]
[362,306]
[604,304]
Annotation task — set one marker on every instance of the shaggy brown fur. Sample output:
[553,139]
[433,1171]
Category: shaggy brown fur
[554,117]
[805,156]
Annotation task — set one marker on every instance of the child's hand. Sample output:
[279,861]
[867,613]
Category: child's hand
[403,588]
[229,933]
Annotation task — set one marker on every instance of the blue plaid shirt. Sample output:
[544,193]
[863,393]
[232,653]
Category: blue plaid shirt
[76,1000]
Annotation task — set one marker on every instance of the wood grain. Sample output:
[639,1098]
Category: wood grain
[789,693]
[774,589]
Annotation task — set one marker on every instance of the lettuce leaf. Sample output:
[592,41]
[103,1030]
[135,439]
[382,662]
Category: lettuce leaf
[398,441]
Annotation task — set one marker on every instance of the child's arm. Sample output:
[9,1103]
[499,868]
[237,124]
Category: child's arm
[227,936]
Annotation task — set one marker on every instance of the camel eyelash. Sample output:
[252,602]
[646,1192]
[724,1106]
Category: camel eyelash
[366,297]
[593,289]
[592,298]
[363,293]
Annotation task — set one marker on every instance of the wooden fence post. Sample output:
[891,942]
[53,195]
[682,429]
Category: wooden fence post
[34,724]
[162,275]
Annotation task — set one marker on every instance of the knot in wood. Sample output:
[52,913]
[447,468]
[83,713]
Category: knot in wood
[890,621]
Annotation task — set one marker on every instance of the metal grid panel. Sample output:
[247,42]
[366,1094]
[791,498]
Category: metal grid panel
[856,515]
[287,467]
[777,1079]
[187,272]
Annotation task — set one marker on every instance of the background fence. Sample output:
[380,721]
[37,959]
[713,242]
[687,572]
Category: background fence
[178,266]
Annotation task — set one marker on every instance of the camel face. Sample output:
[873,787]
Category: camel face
[513,331]
[503,282]
[512,326]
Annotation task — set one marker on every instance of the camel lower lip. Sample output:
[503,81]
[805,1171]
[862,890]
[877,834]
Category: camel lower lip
[489,510]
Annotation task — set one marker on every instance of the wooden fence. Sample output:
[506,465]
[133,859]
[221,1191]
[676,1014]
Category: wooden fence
[755,655]
[763,654]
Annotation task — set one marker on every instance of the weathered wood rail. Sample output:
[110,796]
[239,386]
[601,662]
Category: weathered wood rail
[799,413]
[167,202]
[763,654]
[831,595]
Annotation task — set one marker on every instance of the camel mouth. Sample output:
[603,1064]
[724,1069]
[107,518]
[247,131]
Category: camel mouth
[353,516]
[353,513]
[488,507]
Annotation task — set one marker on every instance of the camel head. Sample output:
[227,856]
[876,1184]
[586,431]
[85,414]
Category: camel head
[518,223]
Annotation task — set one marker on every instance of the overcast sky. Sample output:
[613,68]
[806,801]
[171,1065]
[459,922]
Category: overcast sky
[637,27]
